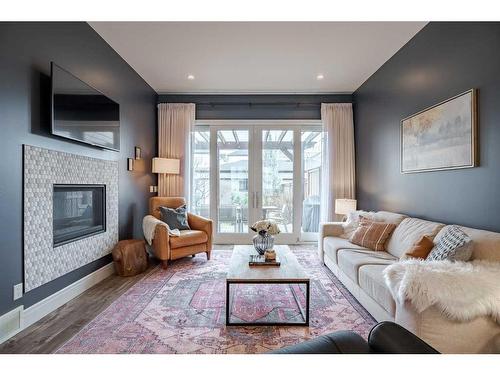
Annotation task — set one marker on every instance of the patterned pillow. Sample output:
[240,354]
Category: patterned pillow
[454,245]
[176,218]
[372,234]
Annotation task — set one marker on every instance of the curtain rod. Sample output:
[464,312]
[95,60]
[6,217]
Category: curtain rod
[250,104]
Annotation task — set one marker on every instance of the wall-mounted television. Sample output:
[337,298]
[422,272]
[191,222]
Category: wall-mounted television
[82,113]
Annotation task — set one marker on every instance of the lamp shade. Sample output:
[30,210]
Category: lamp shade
[345,206]
[162,165]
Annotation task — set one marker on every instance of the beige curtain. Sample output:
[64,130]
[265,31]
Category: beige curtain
[175,121]
[338,173]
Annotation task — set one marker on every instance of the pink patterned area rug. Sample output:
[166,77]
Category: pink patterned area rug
[182,310]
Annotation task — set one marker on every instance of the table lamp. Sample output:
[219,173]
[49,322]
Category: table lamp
[344,207]
[163,165]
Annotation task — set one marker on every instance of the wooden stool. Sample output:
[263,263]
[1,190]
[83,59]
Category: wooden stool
[130,257]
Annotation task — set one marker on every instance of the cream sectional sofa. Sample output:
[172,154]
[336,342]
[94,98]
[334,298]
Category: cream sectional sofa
[361,271]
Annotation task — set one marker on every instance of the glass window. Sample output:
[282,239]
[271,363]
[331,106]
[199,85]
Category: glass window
[277,178]
[200,188]
[232,153]
[312,147]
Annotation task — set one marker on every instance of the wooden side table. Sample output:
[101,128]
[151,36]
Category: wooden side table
[130,257]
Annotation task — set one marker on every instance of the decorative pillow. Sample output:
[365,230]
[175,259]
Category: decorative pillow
[420,249]
[453,245]
[349,229]
[372,234]
[352,222]
[176,218]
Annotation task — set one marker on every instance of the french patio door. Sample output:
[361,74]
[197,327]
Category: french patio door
[244,172]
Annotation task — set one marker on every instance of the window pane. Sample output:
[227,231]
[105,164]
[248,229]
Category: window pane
[277,178]
[312,144]
[200,189]
[232,153]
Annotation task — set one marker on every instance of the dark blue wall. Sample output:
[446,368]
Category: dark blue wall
[257,107]
[442,60]
[26,50]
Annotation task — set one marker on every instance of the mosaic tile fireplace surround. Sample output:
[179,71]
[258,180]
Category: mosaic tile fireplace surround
[45,171]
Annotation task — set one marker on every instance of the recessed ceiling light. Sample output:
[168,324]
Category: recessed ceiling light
[319,77]
[190,77]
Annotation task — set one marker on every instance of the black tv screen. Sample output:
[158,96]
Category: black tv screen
[82,113]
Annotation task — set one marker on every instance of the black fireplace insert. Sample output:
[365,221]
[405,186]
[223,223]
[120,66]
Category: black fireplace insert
[79,211]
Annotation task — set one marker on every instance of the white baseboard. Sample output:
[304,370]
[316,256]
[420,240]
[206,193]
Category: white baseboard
[18,319]
[11,323]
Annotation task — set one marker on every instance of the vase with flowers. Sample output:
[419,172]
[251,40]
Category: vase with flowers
[264,239]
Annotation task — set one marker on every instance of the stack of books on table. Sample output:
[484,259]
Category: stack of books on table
[260,260]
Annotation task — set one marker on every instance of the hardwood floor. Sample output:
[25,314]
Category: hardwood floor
[52,331]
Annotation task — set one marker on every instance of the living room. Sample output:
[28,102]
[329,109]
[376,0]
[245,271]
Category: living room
[297,187]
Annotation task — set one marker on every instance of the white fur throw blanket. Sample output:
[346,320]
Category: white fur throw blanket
[460,290]
[149,224]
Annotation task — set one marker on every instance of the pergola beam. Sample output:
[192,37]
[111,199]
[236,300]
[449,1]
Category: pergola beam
[266,137]
[282,135]
[236,137]
[310,138]
[202,135]
[221,137]
[287,153]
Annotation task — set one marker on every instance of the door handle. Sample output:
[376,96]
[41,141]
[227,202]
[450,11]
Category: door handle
[255,199]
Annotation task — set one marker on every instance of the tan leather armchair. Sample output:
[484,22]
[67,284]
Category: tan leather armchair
[190,242]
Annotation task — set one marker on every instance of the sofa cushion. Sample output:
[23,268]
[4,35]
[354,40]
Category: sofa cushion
[354,215]
[384,216]
[371,280]
[486,244]
[333,244]
[188,238]
[388,217]
[408,233]
[349,261]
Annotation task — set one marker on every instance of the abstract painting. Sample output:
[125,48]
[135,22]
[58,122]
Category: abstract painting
[443,136]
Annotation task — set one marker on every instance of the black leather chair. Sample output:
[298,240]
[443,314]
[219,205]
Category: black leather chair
[384,338]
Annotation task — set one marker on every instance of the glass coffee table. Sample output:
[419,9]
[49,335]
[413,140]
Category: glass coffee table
[290,273]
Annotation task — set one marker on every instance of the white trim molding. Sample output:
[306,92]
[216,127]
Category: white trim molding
[255,129]
[19,319]
[11,323]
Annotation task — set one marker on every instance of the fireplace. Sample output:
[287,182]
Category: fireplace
[79,211]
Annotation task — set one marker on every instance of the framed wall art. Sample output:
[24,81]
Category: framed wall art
[441,137]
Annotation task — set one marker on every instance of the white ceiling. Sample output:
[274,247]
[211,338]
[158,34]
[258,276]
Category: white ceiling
[256,57]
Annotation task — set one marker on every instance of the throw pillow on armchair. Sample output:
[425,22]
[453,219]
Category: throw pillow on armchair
[176,218]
